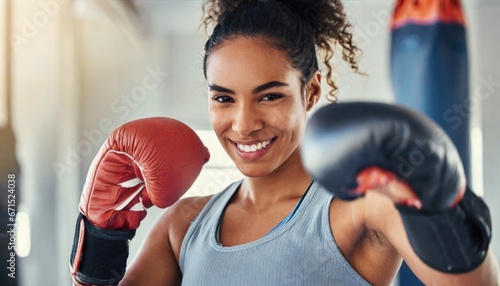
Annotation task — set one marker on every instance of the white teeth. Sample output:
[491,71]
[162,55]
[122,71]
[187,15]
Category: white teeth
[253,147]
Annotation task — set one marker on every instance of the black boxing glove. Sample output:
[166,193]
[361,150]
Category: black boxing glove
[350,148]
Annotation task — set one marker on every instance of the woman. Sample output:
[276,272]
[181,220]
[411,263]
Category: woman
[277,226]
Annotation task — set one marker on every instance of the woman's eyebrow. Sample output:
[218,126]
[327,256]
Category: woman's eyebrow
[268,85]
[260,88]
[219,88]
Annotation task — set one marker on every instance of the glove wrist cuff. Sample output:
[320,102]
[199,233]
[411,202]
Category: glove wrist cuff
[460,236]
[99,256]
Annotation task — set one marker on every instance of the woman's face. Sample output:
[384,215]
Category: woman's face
[257,105]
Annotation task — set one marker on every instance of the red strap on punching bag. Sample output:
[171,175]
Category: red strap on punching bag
[426,12]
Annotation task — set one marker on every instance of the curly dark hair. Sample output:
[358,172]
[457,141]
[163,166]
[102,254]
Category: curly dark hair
[299,28]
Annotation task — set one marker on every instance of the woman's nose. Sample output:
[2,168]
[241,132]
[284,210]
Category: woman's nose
[247,120]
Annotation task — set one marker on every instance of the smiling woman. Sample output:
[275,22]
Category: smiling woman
[262,74]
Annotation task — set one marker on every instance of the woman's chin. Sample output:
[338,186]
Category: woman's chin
[253,171]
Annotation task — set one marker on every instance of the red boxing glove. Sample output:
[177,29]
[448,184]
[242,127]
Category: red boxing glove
[151,161]
[143,162]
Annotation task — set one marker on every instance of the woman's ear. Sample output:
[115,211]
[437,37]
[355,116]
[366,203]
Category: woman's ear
[313,91]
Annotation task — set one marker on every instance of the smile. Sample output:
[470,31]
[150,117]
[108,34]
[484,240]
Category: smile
[253,147]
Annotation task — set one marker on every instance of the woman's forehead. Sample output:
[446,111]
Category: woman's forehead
[252,47]
[248,58]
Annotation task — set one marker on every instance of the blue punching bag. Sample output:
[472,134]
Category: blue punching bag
[430,72]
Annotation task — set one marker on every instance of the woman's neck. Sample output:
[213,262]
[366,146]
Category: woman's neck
[289,181]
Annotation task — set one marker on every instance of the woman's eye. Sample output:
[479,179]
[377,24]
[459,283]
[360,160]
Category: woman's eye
[222,98]
[271,97]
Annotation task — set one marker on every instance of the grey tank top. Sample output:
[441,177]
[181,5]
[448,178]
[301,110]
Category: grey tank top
[301,251]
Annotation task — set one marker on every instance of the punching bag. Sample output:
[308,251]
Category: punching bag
[430,67]
[430,72]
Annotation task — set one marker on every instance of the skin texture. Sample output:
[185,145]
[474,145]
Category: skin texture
[245,108]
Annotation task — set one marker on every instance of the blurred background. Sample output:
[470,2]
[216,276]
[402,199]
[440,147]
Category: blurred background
[73,70]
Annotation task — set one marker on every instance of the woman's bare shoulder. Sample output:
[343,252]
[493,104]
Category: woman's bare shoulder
[184,211]
[178,218]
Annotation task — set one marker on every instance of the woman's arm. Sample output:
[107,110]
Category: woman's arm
[157,262]
[386,219]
